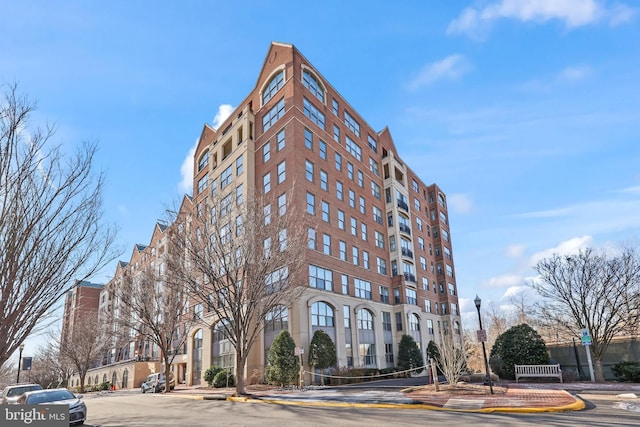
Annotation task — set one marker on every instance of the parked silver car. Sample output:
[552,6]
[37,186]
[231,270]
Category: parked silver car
[58,396]
[155,383]
[11,393]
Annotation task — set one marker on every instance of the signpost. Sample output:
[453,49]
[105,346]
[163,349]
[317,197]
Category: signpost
[586,342]
[299,351]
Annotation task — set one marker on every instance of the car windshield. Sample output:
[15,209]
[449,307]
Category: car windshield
[17,391]
[49,396]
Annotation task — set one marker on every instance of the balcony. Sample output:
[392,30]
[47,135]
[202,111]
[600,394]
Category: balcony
[407,253]
[405,229]
[402,205]
[409,277]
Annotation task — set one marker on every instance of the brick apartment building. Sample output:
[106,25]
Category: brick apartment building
[380,260]
[80,305]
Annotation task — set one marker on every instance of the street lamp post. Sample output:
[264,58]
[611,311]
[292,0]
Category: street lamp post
[20,362]
[478,301]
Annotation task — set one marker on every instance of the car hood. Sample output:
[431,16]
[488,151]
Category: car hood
[71,403]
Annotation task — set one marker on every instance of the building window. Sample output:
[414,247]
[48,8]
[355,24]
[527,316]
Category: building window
[354,227]
[352,198]
[363,231]
[324,181]
[308,139]
[311,83]
[354,149]
[372,143]
[273,115]
[449,270]
[239,166]
[274,85]
[280,141]
[416,188]
[338,162]
[351,123]
[411,296]
[398,321]
[326,244]
[334,106]
[388,354]
[336,133]
[239,194]
[447,252]
[365,320]
[308,170]
[346,311]
[452,289]
[362,206]
[325,211]
[343,250]
[266,152]
[360,179]
[313,113]
[225,177]
[340,219]
[282,172]
[375,190]
[414,322]
[377,215]
[311,204]
[363,288]
[382,265]
[423,263]
[320,278]
[386,321]
[427,306]
[204,160]
[322,314]
[421,243]
[311,238]
[355,254]
[202,183]
[282,204]
[430,326]
[416,203]
[322,147]
[266,183]
[365,260]
[384,296]
[282,238]
[345,284]
[454,309]
[266,213]
[373,167]
[350,170]
[339,191]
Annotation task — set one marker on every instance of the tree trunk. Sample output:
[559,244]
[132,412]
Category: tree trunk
[167,375]
[598,370]
[240,362]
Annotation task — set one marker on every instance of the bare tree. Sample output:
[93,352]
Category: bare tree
[451,357]
[85,345]
[156,307]
[52,231]
[243,260]
[596,291]
[49,369]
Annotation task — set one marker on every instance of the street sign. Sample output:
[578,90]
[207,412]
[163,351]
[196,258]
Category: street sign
[299,351]
[586,338]
[482,335]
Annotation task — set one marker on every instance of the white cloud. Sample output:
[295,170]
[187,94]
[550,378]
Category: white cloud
[460,203]
[573,13]
[503,281]
[224,111]
[514,290]
[451,67]
[186,169]
[515,251]
[577,72]
[567,247]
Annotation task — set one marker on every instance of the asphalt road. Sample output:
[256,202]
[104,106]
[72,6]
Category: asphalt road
[130,408]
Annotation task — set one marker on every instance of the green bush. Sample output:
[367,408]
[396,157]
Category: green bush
[627,371]
[519,345]
[211,373]
[104,386]
[282,363]
[221,379]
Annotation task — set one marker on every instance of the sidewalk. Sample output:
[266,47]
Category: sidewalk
[523,397]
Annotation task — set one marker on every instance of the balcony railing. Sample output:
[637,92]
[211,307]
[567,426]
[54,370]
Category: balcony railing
[410,277]
[407,252]
[405,228]
[403,205]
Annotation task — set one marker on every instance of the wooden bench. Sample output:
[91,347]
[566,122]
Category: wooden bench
[538,371]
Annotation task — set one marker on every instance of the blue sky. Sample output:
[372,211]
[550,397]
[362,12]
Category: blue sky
[526,113]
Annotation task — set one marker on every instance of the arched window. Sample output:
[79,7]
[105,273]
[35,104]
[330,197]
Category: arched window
[322,314]
[312,83]
[274,85]
[277,319]
[414,322]
[365,320]
[104,378]
[96,380]
[114,379]
[204,160]
[125,378]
